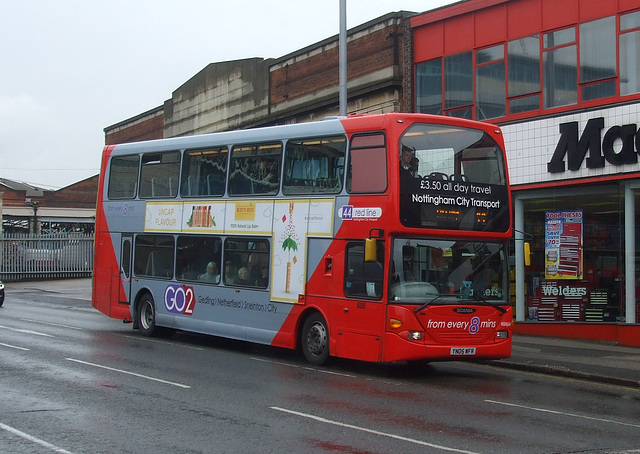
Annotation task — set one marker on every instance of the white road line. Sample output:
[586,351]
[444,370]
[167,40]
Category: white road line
[33,439]
[26,331]
[562,413]
[159,380]
[371,431]
[146,339]
[280,363]
[51,324]
[13,346]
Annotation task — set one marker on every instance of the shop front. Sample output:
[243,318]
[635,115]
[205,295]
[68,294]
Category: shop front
[577,195]
[563,82]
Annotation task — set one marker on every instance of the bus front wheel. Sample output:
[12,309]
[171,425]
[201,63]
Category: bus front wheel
[146,315]
[315,339]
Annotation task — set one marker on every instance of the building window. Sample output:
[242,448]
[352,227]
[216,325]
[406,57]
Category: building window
[598,58]
[524,74]
[577,255]
[429,87]
[490,83]
[458,83]
[630,53]
[547,71]
[560,70]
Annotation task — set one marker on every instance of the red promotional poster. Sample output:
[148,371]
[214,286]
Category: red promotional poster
[563,245]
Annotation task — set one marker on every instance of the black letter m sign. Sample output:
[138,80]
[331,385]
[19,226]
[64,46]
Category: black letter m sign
[577,150]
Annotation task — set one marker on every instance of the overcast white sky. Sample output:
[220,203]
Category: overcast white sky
[70,68]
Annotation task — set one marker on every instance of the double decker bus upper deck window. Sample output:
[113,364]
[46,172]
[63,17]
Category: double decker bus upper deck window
[453,178]
[123,177]
[367,170]
[204,172]
[255,169]
[314,166]
[159,175]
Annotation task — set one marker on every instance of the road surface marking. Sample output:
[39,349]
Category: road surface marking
[280,363]
[13,346]
[371,431]
[562,413]
[33,439]
[26,331]
[51,324]
[159,380]
[146,339]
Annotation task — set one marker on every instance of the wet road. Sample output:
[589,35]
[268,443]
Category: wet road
[75,381]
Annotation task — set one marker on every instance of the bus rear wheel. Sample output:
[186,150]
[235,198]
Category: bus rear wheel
[146,315]
[315,339]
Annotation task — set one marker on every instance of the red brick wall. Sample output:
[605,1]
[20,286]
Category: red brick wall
[82,194]
[150,129]
[78,195]
[365,55]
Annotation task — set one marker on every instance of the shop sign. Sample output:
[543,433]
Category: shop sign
[575,149]
[553,289]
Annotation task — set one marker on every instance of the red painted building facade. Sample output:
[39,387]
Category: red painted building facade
[562,79]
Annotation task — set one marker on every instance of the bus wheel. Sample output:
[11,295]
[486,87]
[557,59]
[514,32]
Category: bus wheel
[146,315]
[315,339]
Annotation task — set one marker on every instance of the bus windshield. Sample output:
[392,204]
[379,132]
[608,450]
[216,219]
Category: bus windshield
[452,178]
[443,271]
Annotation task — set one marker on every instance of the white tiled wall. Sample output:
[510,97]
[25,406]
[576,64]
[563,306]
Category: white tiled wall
[530,145]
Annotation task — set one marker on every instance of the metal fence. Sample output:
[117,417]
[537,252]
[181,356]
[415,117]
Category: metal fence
[62,255]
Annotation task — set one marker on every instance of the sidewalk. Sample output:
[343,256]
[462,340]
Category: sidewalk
[583,359]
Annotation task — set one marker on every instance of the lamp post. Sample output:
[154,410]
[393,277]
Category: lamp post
[35,229]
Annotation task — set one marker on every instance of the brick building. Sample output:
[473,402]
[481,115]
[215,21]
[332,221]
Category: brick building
[29,209]
[298,87]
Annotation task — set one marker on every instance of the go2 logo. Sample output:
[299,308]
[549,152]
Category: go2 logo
[179,299]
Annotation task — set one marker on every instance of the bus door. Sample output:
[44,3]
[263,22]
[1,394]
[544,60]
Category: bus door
[360,322]
[125,269]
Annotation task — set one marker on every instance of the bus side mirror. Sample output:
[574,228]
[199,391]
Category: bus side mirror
[527,253]
[370,249]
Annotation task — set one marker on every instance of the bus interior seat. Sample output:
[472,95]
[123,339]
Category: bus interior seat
[458,177]
[215,185]
[190,276]
[438,176]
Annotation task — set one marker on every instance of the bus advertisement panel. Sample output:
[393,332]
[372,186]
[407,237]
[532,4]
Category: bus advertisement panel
[373,237]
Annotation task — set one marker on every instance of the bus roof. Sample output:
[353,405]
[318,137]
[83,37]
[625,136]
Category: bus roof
[329,126]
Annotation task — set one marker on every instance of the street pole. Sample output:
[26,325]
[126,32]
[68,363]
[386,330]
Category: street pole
[342,44]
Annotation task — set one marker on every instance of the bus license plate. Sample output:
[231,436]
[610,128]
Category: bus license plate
[469,351]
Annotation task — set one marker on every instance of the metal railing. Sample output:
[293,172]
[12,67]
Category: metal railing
[61,255]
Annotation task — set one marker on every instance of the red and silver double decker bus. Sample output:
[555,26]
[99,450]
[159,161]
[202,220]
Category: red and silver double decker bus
[373,237]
